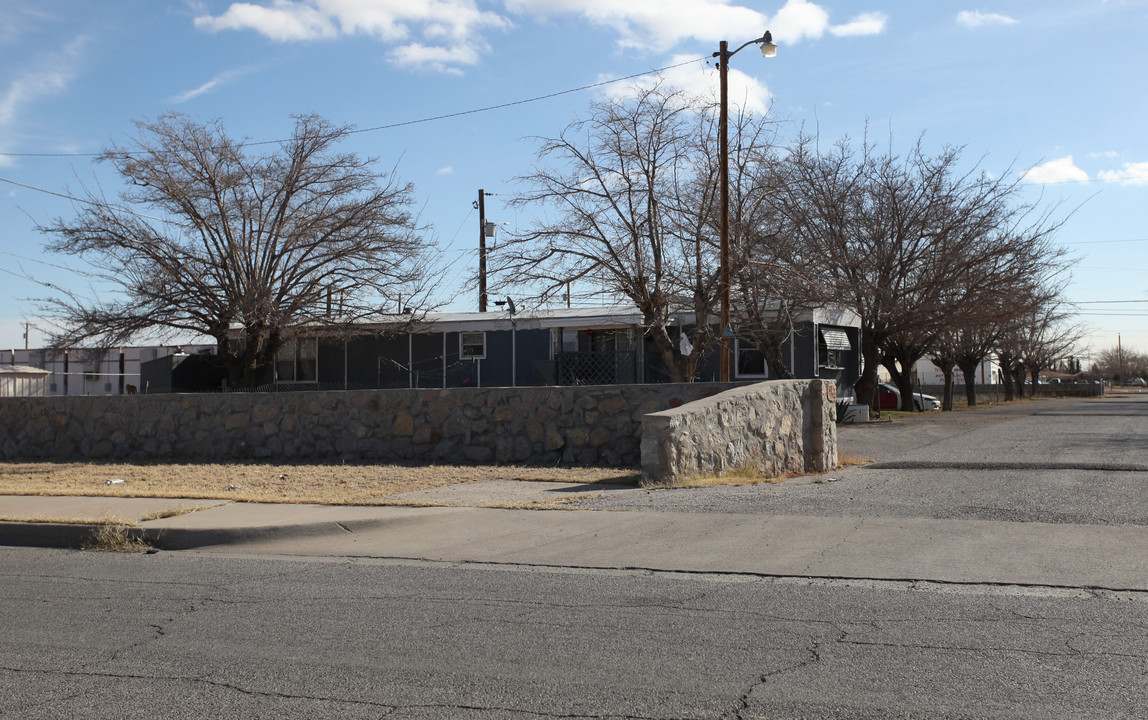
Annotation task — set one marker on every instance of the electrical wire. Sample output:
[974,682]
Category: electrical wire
[406,123]
[117,208]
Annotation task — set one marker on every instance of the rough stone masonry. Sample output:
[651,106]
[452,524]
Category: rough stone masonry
[584,425]
[777,427]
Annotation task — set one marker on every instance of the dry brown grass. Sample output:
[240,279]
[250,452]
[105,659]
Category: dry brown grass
[65,520]
[116,537]
[740,476]
[321,483]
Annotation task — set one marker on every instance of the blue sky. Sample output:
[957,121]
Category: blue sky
[1055,89]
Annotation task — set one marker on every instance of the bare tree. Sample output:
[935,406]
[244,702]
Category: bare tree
[628,219]
[1119,363]
[767,283]
[912,242]
[1047,338]
[211,239]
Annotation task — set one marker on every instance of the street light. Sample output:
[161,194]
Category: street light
[768,49]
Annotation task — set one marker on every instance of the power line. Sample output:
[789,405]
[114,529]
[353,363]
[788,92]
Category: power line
[406,123]
[93,203]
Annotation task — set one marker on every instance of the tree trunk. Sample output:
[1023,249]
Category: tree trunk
[969,370]
[778,370]
[902,374]
[672,357]
[1017,373]
[866,386]
[947,397]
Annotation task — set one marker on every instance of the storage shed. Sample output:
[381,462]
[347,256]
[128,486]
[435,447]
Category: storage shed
[23,381]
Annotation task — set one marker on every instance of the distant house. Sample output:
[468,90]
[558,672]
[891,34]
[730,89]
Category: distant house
[987,373]
[23,381]
[93,371]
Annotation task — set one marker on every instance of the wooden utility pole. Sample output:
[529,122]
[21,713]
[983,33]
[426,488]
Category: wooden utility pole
[481,250]
[1120,354]
[723,159]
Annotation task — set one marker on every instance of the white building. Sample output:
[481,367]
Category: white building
[23,381]
[988,373]
[84,371]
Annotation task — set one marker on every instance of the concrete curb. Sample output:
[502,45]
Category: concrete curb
[45,534]
[171,538]
[79,535]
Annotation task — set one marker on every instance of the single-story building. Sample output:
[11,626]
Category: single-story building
[23,381]
[579,346]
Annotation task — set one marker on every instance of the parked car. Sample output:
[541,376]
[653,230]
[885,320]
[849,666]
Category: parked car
[1137,381]
[888,397]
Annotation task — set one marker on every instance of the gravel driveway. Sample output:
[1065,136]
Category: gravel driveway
[1054,461]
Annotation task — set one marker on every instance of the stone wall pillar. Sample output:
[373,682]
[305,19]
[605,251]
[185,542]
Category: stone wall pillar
[774,427]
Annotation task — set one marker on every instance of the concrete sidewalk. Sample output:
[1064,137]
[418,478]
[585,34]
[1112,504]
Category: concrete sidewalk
[1105,556]
[954,551]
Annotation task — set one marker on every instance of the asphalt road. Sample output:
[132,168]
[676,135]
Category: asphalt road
[1072,462]
[183,636]
[339,626]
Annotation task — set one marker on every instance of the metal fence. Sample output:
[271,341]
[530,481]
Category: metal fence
[596,368]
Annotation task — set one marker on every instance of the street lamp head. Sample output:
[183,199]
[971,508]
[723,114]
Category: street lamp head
[768,49]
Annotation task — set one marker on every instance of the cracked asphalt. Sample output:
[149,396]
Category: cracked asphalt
[184,636]
[296,630]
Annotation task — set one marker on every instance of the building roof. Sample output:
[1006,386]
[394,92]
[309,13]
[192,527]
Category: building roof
[617,316]
[23,370]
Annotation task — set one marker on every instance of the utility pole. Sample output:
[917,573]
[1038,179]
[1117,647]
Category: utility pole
[768,49]
[481,207]
[1120,354]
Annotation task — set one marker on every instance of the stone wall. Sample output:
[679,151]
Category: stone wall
[774,427]
[600,425]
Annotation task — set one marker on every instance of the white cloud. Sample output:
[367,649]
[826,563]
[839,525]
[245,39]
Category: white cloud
[1056,171]
[219,80]
[448,170]
[439,34]
[48,75]
[871,23]
[1130,174]
[433,57]
[976,19]
[655,24]
[1110,154]
[700,80]
[661,24]
[283,21]
[799,19]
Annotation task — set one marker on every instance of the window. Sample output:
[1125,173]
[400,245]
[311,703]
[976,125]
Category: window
[298,361]
[472,345]
[832,359]
[832,348]
[750,361]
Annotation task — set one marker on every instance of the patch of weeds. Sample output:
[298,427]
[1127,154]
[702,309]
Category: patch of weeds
[118,537]
[844,460]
